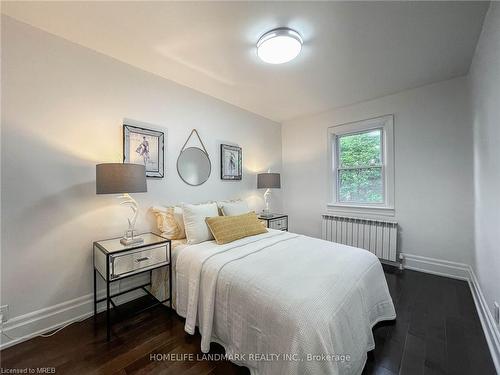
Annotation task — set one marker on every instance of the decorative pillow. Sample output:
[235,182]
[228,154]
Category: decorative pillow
[194,221]
[227,229]
[221,203]
[234,208]
[170,222]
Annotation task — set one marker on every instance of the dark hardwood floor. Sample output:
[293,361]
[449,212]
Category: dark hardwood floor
[437,332]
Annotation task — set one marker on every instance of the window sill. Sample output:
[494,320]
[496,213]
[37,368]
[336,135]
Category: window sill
[360,210]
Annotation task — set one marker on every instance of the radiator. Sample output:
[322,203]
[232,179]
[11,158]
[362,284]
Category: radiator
[376,236]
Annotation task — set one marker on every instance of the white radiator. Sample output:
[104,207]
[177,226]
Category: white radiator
[376,236]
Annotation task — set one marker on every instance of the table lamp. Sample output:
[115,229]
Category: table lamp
[123,178]
[268,181]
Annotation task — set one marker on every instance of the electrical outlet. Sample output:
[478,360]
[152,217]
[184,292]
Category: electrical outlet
[4,313]
[497,313]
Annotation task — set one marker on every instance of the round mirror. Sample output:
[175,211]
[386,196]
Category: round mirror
[193,166]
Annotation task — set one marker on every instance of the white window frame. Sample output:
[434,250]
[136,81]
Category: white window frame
[386,124]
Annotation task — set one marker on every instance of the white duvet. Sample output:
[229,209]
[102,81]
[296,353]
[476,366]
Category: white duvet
[282,303]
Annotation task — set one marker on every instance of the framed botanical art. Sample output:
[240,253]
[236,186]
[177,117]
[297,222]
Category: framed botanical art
[230,162]
[144,146]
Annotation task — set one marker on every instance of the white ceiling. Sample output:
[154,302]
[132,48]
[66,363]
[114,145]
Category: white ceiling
[352,51]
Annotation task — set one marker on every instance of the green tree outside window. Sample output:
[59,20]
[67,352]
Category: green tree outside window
[360,172]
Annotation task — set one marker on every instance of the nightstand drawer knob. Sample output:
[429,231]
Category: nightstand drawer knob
[142,259]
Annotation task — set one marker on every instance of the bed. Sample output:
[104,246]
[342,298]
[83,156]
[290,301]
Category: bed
[282,303]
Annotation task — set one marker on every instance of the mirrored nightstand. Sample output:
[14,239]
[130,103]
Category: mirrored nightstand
[114,261]
[275,221]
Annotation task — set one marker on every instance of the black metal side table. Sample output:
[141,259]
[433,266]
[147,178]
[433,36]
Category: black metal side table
[114,261]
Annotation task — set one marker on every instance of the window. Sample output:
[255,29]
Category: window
[362,166]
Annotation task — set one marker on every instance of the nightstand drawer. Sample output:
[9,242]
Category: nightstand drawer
[280,224]
[130,262]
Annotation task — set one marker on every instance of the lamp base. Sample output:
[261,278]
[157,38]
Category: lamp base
[266,214]
[129,239]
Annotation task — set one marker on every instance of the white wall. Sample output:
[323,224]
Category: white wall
[485,85]
[63,107]
[433,157]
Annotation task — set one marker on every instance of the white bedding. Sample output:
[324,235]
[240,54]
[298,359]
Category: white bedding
[159,277]
[281,294]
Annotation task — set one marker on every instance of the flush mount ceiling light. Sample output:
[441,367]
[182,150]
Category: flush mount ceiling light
[279,46]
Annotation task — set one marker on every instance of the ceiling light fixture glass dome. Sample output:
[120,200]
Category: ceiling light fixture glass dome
[279,46]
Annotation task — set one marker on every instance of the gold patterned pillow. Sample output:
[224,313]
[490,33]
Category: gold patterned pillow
[227,229]
[168,224]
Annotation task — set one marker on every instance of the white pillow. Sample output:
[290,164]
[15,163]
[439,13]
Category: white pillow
[234,208]
[194,221]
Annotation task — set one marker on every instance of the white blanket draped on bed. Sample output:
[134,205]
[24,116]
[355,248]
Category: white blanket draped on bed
[308,305]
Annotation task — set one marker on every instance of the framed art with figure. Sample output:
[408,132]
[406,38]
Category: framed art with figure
[144,146]
[230,158]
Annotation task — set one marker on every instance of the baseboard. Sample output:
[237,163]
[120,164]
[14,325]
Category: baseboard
[465,272]
[436,266]
[27,326]
[491,330]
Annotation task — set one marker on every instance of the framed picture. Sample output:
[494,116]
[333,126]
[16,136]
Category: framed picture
[230,162]
[144,146]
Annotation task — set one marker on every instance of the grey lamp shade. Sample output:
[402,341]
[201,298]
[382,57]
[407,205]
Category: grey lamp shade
[119,178]
[268,181]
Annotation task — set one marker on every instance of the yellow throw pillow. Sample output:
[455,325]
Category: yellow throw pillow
[227,229]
